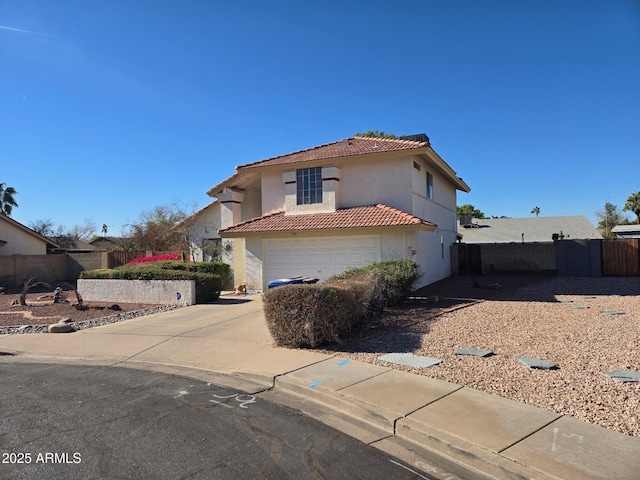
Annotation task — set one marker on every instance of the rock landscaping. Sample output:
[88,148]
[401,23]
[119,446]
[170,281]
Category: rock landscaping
[597,356]
[40,312]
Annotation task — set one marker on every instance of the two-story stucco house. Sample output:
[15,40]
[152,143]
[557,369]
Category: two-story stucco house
[319,211]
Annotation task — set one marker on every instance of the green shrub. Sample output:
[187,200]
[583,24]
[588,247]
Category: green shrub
[216,268]
[310,315]
[394,280]
[101,273]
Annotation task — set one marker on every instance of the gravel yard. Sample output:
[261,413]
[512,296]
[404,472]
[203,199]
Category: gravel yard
[40,312]
[556,319]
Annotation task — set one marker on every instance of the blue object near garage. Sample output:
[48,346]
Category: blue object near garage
[290,281]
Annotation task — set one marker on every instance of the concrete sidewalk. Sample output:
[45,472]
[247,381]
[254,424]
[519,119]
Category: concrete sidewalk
[228,343]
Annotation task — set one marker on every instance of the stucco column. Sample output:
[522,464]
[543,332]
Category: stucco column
[230,207]
[231,214]
[330,187]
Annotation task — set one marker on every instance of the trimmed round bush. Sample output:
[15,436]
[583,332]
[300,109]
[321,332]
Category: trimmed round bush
[310,315]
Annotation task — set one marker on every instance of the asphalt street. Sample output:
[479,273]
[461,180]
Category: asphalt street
[79,422]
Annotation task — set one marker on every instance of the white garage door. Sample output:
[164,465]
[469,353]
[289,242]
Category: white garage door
[318,257]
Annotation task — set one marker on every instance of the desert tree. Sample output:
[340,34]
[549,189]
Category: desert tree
[43,226]
[536,210]
[375,134]
[609,217]
[468,209]
[154,229]
[633,205]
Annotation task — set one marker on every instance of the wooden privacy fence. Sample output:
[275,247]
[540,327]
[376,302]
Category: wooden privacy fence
[569,257]
[621,257]
[121,257]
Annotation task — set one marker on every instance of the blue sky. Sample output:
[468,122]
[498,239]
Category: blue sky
[109,108]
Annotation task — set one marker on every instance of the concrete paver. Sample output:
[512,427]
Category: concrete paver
[470,416]
[332,375]
[574,449]
[228,343]
[400,392]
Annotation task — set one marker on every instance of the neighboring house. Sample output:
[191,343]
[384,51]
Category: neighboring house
[202,228]
[319,211]
[16,239]
[109,243]
[69,244]
[627,231]
[519,230]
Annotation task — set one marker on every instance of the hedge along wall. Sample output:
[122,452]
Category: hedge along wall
[160,292]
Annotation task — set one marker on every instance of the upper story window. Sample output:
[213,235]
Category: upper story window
[309,185]
[429,186]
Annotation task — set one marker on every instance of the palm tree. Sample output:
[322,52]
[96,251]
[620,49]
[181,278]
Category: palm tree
[536,210]
[633,205]
[7,202]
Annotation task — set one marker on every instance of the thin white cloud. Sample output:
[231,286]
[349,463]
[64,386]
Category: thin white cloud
[3,27]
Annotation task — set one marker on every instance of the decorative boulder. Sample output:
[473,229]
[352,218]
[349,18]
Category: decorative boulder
[61,328]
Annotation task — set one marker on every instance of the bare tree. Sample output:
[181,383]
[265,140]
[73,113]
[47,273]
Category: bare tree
[43,226]
[154,229]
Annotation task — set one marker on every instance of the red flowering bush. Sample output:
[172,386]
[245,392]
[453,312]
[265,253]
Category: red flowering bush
[156,258]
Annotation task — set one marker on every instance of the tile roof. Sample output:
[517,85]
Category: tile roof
[535,229]
[343,218]
[343,148]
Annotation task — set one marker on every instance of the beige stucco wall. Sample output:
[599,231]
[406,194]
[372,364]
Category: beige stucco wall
[252,203]
[433,254]
[19,242]
[206,228]
[253,263]
[272,192]
[369,180]
[363,181]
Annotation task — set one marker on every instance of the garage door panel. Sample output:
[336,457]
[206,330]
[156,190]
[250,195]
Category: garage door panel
[318,257]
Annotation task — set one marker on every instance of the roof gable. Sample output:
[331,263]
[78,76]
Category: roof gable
[33,233]
[347,147]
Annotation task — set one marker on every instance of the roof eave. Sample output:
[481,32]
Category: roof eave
[446,170]
[326,231]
